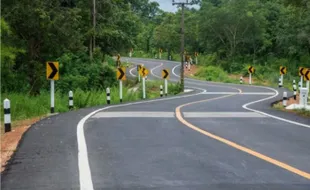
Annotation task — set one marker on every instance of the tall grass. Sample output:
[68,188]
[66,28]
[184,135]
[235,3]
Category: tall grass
[24,106]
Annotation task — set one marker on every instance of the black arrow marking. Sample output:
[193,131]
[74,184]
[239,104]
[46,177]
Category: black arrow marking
[122,73]
[139,67]
[307,75]
[55,70]
[250,69]
[166,73]
[282,70]
[301,71]
[143,71]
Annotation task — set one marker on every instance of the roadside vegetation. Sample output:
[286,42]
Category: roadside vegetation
[229,36]
[301,112]
[27,106]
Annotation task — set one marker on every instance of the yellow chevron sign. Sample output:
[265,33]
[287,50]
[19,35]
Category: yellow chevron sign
[251,69]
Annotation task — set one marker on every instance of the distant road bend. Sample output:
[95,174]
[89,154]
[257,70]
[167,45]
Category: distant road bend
[219,136]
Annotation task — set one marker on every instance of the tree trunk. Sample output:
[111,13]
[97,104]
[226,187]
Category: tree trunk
[34,71]
[94,24]
[91,48]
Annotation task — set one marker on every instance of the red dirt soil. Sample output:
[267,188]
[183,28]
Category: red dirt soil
[10,140]
[191,72]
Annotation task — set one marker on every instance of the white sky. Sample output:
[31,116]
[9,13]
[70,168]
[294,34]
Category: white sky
[167,6]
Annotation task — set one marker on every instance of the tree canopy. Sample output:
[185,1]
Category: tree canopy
[84,32]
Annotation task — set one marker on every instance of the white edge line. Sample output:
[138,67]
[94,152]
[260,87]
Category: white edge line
[261,100]
[269,115]
[130,71]
[202,81]
[83,162]
[156,68]
[197,88]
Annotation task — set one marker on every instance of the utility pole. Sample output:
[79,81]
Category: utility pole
[92,41]
[94,23]
[182,3]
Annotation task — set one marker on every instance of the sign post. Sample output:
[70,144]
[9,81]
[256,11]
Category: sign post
[160,52]
[283,71]
[165,76]
[52,74]
[52,96]
[251,70]
[138,69]
[121,75]
[143,87]
[301,73]
[143,72]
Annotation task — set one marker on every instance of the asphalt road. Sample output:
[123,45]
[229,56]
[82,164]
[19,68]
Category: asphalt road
[219,136]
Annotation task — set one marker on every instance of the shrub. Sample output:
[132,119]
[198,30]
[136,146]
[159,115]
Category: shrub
[212,73]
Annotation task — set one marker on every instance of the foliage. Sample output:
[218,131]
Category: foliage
[26,106]
[212,73]
[63,30]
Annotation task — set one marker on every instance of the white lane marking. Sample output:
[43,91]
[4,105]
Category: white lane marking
[188,90]
[232,84]
[222,115]
[258,93]
[130,71]
[174,69]
[134,114]
[261,100]
[152,70]
[172,115]
[86,182]
[243,93]
[156,68]
[173,72]
[245,106]
[83,162]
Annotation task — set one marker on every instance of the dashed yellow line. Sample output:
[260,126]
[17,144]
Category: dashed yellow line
[235,145]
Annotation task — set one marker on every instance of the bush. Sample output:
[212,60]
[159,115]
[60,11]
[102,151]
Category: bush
[77,71]
[212,73]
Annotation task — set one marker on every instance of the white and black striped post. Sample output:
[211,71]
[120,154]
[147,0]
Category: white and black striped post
[241,80]
[120,91]
[166,87]
[282,80]
[161,90]
[284,99]
[280,84]
[108,95]
[294,89]
[70,100]
[7,115]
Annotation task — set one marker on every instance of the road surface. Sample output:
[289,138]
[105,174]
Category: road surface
[219,136]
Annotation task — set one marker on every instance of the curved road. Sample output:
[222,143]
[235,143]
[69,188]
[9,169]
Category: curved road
[220,136]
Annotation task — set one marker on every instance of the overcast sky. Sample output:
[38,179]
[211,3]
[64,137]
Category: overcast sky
[166,5]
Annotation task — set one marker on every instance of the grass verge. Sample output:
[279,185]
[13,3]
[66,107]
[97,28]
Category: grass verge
[26,107]
[301,112]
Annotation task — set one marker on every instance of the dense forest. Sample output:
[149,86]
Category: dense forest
[82,35]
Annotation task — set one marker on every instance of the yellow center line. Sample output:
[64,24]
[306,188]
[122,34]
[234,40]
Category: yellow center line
[235,145]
